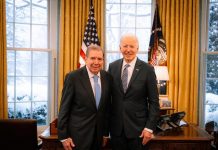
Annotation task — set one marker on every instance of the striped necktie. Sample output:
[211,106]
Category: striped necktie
[97,90]
[124,77]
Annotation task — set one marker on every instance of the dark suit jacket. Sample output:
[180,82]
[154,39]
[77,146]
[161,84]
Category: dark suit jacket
[78,116]
[139,106]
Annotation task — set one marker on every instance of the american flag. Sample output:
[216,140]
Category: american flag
[90,36]
[157,53]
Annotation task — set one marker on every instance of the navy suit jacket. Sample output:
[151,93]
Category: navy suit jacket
[79,117]
[138,108]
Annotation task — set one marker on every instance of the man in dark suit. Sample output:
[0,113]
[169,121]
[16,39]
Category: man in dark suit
[84,109]
[135,98]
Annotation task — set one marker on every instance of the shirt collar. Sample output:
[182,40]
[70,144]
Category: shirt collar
[90,74]
[132,63]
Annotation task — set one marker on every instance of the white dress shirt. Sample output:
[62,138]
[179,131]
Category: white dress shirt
[130,68]
[91,75]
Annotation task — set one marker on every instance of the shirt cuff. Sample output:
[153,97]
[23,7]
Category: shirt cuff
[149,130]
[63,140]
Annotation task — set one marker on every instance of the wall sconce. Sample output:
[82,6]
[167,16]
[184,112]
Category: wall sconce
[161,74]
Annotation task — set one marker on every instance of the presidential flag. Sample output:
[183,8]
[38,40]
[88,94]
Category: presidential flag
[90,36]
[157,55]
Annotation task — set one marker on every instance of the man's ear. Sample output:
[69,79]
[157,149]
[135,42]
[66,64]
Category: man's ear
[86,59]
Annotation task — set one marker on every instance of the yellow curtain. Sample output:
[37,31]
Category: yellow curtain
[180,23]
[73,19]
[3,66]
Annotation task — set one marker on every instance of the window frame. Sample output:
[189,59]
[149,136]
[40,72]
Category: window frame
[153,4]
[203,48]
[52,44]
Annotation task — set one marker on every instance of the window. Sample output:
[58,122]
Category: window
[209,58]
[29,59]
[127,16]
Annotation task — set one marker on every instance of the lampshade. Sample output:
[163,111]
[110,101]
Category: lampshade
[161,73]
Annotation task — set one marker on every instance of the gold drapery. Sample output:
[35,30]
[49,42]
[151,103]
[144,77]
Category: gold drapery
[3,66]
[180,23]
[73,19]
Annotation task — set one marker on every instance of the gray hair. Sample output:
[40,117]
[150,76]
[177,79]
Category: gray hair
[129,35]
[93,47]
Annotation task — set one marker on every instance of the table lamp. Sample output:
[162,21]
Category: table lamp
[161,74]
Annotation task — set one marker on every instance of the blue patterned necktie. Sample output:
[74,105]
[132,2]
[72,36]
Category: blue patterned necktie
[97,90]
[124,77]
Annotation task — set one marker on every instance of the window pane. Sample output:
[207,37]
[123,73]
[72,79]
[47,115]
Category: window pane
[22,11]
[39,11]
[128,12]
[9,10]
[212,97]
[40,3]
[211,113]
[143,37]
[40,63]
[40,112]
[211,88]
[110,57]
[144,1]
[11,113]
[113,15]
[143,57]
[128,1]
[126,30]
[10,34]
[143,19]
[23,89]
[112,38]
[23,63]
[40,89]
[212,66]
[22,35]
[10,63]
[23,110]
[39,36]
[113,1]
[213,27]
[10,89]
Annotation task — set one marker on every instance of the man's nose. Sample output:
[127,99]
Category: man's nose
[128,48]
[96,61]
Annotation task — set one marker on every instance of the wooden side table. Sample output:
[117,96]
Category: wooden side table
[50,142]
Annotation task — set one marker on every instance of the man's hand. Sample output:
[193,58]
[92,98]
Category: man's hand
[146,136]
[105,141]
[68,144]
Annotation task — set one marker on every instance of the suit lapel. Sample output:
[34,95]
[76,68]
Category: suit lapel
[119,73]
[87,85]
[135,73]
[103,86]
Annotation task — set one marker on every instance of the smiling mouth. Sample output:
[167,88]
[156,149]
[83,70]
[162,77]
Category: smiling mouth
[96,67]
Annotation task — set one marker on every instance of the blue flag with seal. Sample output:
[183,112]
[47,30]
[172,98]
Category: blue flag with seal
[157,53]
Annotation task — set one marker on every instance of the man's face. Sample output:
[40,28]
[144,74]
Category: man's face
[94,61]
[129,48]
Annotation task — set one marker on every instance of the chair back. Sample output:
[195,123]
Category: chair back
[18,134]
